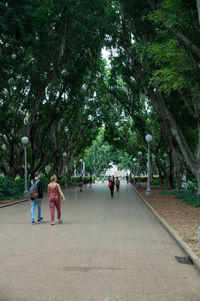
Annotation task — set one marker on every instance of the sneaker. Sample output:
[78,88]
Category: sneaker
[39,220]
[59,221]
[52,223]
[33,223]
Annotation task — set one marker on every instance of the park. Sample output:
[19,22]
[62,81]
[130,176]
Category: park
[93,92]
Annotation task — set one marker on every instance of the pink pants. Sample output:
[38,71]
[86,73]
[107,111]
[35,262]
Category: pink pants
[55,201]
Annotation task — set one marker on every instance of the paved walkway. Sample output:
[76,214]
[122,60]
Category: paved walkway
[106,250]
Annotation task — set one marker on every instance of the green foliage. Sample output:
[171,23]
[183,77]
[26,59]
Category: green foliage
[14,189]
[155,181]
[49,67]
[53,77]
[45,181]
[186,196]
[192,185]
[173,13]
[101,154]
[98,156]
[176,66]
[10,188]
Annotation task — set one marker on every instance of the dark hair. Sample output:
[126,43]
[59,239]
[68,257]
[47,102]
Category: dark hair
[37,173]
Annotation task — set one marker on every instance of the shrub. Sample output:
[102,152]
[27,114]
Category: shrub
[192,185]
[155,181]
[186,196]
[14,189]
[10,188]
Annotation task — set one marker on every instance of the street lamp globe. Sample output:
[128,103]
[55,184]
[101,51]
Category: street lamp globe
[25,140]
[66,129]
[64,155]
[139,153]
[134,159]
[148,138]
[81,160]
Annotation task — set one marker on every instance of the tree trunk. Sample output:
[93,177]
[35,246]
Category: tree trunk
[170,172]
[158,102]
[198,181]
[198,7]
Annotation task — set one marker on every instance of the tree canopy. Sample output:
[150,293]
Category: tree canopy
[58,90]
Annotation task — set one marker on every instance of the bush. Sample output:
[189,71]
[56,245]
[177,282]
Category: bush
[10,188]
[192,185]
[186,196]
[45,181]
[14,189]
[155,181]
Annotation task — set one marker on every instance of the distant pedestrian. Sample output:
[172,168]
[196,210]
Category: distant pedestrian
[111,185]
[90,181]
[37,199]
[80,183]
[54,192]
[85,182]
[117,184]
[127,178]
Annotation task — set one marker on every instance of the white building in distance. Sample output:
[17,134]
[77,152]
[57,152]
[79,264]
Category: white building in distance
[114,171]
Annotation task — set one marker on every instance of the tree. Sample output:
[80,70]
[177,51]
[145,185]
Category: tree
[48,62]
[134,33]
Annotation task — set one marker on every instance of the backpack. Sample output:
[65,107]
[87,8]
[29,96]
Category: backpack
[109,184]
[33,191]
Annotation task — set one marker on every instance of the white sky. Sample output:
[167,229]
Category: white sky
[105,53]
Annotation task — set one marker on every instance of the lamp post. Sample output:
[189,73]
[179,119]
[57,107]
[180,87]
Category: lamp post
[64,167]
[148,139]
[74,168]
[25,142]
[139,155]
[134,159]
[81,160]
[83,168]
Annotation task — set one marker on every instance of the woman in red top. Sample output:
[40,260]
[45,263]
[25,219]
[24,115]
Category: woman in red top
[54,192]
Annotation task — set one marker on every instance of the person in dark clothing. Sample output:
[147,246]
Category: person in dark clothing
[117,184]
[90,181]
[37,201]
[80,184]
[111,185]
[85,182]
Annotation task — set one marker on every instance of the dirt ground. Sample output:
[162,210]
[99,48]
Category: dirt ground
[184,219]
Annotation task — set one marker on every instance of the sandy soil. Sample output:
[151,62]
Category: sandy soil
[184,219]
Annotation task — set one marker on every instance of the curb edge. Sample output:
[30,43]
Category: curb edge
[192,256]
[13,203]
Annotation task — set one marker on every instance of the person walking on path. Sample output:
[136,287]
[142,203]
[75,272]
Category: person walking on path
[80,184]
[117,184]
[90,181]
[54,192]
[111,185]
[37,201]
[85,182]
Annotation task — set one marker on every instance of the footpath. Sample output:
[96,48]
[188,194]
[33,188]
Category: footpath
[105,250]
